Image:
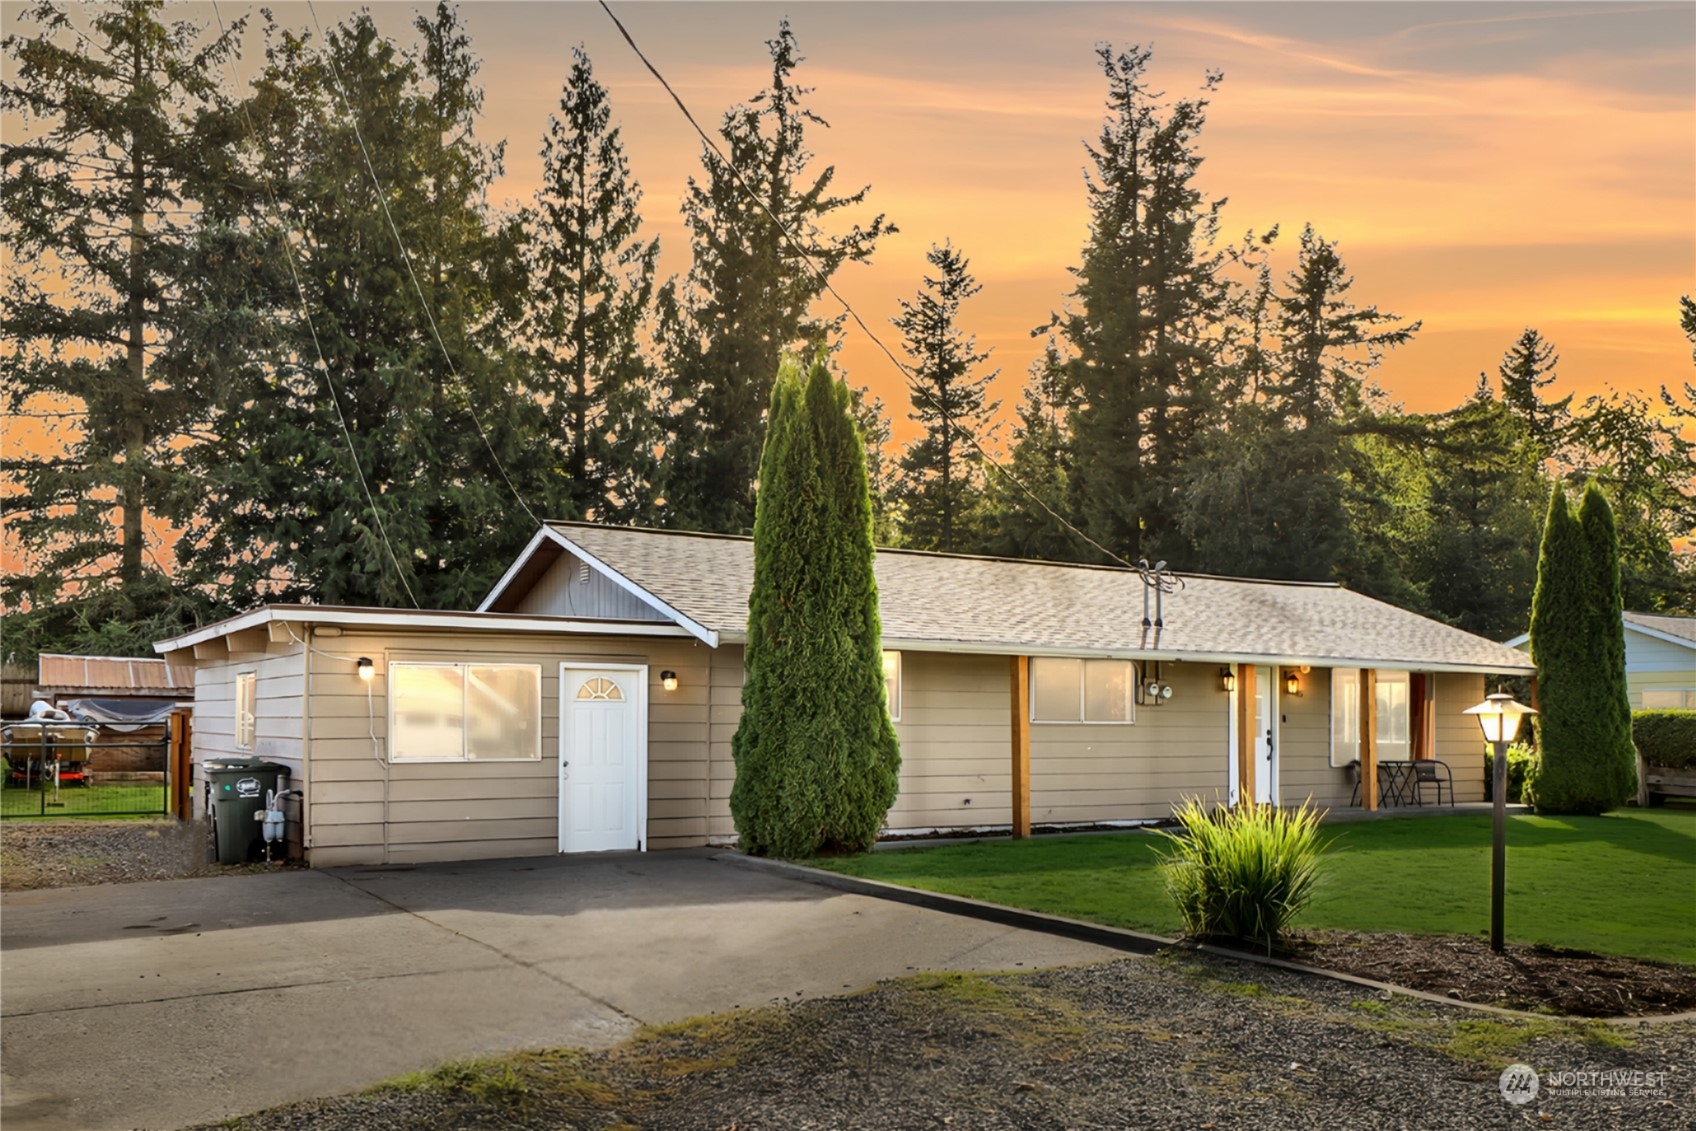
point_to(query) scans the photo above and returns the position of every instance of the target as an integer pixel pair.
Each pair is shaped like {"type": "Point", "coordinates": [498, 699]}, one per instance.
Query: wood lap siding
{"type": "Point", "coordinates": [1459, 741]}
{"type": "Point", "coordinates": [1103, 772]}
{"type": "Point", "coordinates": [466, 810]}
{"type": "Point", "coordinates": [278, 710]}
{"type": "Point", "coordinates": [1304, 734]}
{"type": "Point", "coordinates": [562, 592]}
{"type": "Point", "coordinates": [956, 763]}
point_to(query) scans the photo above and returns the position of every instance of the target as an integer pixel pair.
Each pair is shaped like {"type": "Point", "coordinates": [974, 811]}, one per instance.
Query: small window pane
{"type": "Point", "coordinates": [1107, 690]}
{"type": "Point", "coordinates": [1345, 716]}
{"type": "Point", "coordinates": [892, 683]}
{"type": "Point", "coordinates": [599, 688]}
{"type": "Point", "coordinates": [1054, 689]}
{"type": "Point", "coordinates": [428, 706]}
{"type": "Point", "coordinates": [503, 710]}
{"type": "Point", "coordinates": [247, 705]}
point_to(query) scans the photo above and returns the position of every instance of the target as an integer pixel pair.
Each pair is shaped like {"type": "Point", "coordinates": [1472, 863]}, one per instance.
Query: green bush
{"type": "Point", "coordinates": [1665, 738]}
{"type": "Point", "coordinates": [1522, 767]}
{"type": "Point", "coordinates": [1242, 873]}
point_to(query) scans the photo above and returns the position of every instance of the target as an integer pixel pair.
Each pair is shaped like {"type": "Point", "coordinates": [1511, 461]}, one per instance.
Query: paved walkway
{"type": "Point", "coordinates": [162, 1004]}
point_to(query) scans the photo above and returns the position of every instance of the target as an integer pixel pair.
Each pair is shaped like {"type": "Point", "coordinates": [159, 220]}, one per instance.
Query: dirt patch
{"type": "Point", "coordinates": [58, 854]}
{"type": "Point", "coordinates": [1537, 978]}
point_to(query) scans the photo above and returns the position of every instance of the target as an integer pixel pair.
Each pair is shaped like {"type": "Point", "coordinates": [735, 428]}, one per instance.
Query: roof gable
{"type": "Point", "coordinates": [1674, 630]}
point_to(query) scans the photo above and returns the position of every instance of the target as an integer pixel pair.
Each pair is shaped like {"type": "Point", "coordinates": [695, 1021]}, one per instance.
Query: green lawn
{"type": "Point", "coordinates": [110, 799]}
{"type": "Point", "coordinates": [1624, 883]}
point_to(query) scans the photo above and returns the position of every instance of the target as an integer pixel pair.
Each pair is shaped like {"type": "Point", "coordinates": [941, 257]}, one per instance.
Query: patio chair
{"type": "Point", "coordinates": [1430, 772]}
{"type": "Point", "coordinates": [1353, 769]}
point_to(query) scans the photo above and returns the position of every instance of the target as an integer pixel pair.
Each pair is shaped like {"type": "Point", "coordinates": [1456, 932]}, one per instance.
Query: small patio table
{"type": "Point", "coordinates": [1395, 780]}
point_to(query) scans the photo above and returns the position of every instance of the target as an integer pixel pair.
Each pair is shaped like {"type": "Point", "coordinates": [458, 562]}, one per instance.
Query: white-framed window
{"type": "Point", "coordinates": [892, 684]}
{"type": "Point", "coordinates": [1668, 699]}
{"type": "Point", "coordinates": [1390, 699]}
{"type": "Point", "coordinates": [465, 712]}
{"type": "Point", "coordinates": [1082, 691]}
{"type": "Point", "coordinates": [247, 703]}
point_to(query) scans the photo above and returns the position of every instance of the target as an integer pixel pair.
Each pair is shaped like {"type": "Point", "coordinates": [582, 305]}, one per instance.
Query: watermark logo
{"type": "Point", "coordinates": [1519, 1083]}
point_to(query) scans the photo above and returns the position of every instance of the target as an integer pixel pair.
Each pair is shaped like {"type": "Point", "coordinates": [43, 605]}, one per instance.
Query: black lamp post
{"type": "Point", "coordinates": [1499, 717]}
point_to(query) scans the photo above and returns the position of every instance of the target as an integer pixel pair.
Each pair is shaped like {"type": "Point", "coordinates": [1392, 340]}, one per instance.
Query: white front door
{"type": "Point", "coordinates": [602, 757]}
{"type": "Point", "coordinates": [1265, 735]}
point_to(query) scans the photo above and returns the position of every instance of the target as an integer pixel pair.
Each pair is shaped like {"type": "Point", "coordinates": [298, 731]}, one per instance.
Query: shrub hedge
{"type": "Point", "coordinates": [1665, 738]}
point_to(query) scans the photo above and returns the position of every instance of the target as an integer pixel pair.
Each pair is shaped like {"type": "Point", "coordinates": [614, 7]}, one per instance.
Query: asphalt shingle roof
{"type": "Point", "coordinates": [997, 605]}
{"type": "Point", "coordinates": [1682, 627]}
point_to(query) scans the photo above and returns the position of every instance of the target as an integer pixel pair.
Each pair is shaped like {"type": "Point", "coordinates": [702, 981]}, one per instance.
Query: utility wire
{"type": "Point", "coordinates": [323, 365]}
{"type": "Point", "coordinates": [824, 280]}
{"type": "Point", "coordinates": [406, 256]}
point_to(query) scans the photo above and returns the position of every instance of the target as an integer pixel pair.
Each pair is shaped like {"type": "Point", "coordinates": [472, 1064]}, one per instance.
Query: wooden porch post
{"type": "Point", "coordinates": [180, 766]}
{"type": "Point", "coordinates": [1245, 733]}
{"type": "Point", "coordinates": [1369, 737]}
{"type": "Point", "coordinates": [1021, 720]}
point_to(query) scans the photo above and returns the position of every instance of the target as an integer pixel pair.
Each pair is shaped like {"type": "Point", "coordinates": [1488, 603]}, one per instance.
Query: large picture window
{"type": "Point", "coordinates": [1391, 708]}
{"type": "Point", "coordinates": [1082, 691]}
{"type": "Point", "coordinates": [465, 712]}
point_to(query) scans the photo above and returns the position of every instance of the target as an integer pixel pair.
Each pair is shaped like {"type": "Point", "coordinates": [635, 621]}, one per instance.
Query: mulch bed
{"type": "Point", "coordinates": [1537, 978]}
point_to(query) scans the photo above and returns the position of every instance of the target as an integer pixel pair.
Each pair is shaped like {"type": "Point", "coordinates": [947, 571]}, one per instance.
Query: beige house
{"type": "Point", "coordinates": [589, 703]}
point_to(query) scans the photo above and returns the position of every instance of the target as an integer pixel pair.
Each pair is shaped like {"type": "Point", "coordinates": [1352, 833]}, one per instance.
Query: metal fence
{"type": "Point", "coordinates": [75, 779]}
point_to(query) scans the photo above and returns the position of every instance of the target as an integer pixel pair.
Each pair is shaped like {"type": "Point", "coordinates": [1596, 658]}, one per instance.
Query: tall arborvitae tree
{"type": "Point", "coordinates": [941, 486]}
{"type": "Point", "coordinates": [384, 475]}
{"type": "Point", "coordinates": [592, 284]}
{"type": "Point", "coordinates": [1585, 762]}
{"type": "Point", "coordinates": [100, 180]}
{"type": "Point", "coordinates": [748, 293]}
{"type": "Point", "coordinates": [1526, 370]}
{"type": "Point", "coordinates": [817, 761]}
{"type": "Point", "coordinates": [1146, 299]}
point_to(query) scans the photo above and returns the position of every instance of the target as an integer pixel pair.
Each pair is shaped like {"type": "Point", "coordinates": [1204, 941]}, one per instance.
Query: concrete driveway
{"type": "Point", "coordinates": [161, 1004]}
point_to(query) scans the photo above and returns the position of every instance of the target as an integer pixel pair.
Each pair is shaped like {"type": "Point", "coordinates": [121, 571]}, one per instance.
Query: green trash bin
{"type": "Point", "coordinates": [236, 791]}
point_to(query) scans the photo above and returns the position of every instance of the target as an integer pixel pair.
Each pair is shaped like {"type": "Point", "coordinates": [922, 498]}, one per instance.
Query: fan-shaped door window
{"type": "Point", "coordinates": [600, 688]}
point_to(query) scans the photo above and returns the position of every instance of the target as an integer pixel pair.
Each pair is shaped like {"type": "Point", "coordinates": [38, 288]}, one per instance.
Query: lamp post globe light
{"type": "Point", "coordinates": [1498, 716]}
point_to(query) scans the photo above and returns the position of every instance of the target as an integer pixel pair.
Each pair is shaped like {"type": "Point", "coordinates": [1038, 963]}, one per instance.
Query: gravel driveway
{"type": "Point", "coordinates": [1176, 1041]}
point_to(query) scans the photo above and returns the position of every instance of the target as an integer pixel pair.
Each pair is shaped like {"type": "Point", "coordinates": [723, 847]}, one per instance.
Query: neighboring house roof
{"type": "Point", "coordinates": [951, 602]}
{"type": "Point", "coordinates": [1674, 630]}
{"type": "Point", "coordinates": [112, 675]}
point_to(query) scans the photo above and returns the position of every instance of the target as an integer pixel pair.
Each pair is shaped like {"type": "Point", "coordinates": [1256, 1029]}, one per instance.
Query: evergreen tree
{"type": "Point", "coordinates": [1528, 368]}
{"type": "Point", "coordinates": [941, 486]}
{"type": "Point", "coordinates": [385, 474]}
{"type": "Point", "coordinates": [749, 291]}
{"type": "Point", "coordinates": [102, 169]}
{"type": "Point", "coordinates": [1614, 754]}
{"type": "Point", "coordinates": [592, 283]}
{"type": "Point", "coordinates": [817, 761]}
{"type": "Point", "coordinates": [872, 419]}
{"type": "Point", "coordinates": [1146, 299]}
{"type": "Point", "coordinates": [1578, 724]}
{"type": "Point", "coordinates": [1018, 526]}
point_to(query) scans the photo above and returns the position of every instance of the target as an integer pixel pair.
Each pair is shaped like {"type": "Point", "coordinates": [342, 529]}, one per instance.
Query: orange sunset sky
{"type": "Point", "coordinates": [1486, 167]}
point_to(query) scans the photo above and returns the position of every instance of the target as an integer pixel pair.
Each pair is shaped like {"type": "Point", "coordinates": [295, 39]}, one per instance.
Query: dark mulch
{"type": "Point", "coordinates": [1537, 978]}
{"type": "Point", "coordinates": [1176, 1041]}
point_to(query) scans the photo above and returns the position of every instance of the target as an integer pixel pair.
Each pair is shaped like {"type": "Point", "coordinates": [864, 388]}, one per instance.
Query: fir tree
{"type": "Point", "coordinates": [1146, 299]}
{"type": "Point", "coordinates": [593, 282]}
{"type": "Point", "coordinates": [941, 484]}
{"type": "Point", "coordinates": [760, 259]}
{"type": "Point", "coordinates": [113, 126]}
{"type": "Point", "coordinates": [817, 761]}
{"type": "Point", "coordinates": [1528, 368]}
{"type": "Point", "coordinates": [1017, 525]}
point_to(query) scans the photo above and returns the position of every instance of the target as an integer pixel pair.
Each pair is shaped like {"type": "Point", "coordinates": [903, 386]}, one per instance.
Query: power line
{"type": "Point", "coordinates": [824, 281]}
{"type": "Point", "coordinates": [406, 257]}
{"type": "Point", "coordinates": [306, 314]}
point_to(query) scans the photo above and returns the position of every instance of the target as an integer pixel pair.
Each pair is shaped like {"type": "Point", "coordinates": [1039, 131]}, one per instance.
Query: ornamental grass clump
{"type": "Point", "coordinates": [1243, 873]}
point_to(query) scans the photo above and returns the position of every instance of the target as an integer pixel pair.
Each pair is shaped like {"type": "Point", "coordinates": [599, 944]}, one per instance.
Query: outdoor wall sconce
{"type": "Point", "coordinates": [1292, 682]}
{"type": "Point", "coordinates": [366, 669]}
{"type": "Point", "coordinates": [1227, 680]}
{"type": "Point", "coordinates": [668, 680]}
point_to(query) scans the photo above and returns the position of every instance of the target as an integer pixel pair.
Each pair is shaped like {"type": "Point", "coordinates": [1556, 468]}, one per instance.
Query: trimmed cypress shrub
{"type": "Point", "coordinates": [817, 761]}
{"type": "Point", "coordinates": [1666, 737]}
{"type": "Point", "coordinates": [1585, 764]}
